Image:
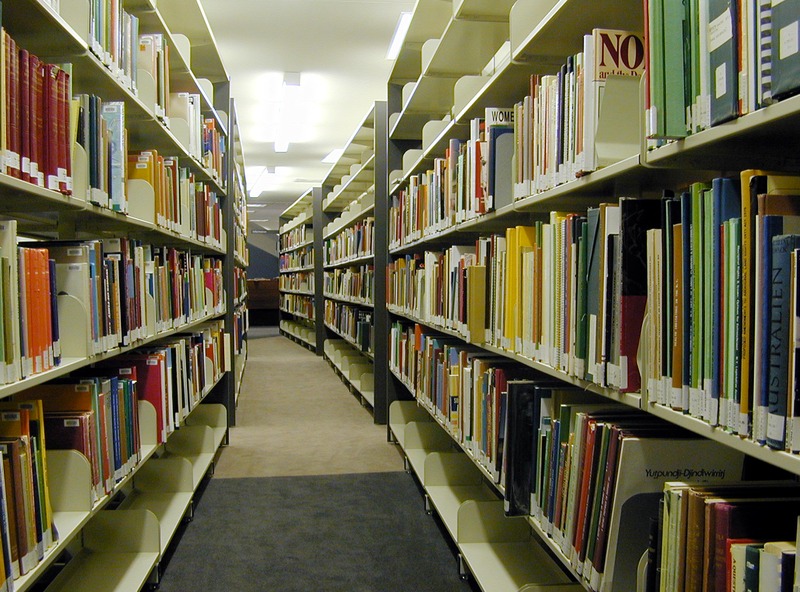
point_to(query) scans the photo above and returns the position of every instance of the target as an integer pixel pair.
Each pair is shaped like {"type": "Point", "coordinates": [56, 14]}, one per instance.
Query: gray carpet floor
{"type": "Point", "coordinates": [357, 533]}
{"type": "Point", "coordinates": [308, 496]}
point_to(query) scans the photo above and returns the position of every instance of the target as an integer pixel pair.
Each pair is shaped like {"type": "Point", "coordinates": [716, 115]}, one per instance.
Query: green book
{"type": "Point", "coordinates": [697, 287]}
{"type": "Point", "coordinates": [710, 234]}
{"type": "Point", "coordinates": [674, 79]}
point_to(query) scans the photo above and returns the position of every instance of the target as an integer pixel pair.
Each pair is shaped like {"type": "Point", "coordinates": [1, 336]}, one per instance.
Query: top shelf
{"type": "Point", "coordinates": [547, 28]}
{"type": "Point", "coordinates": [428, 20]}
{"type": "Point", "coordinates": [188, 18]}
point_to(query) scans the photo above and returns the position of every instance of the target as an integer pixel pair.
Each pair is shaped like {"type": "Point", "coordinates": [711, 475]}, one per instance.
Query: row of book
{"type": "Point", "coordinates": [298, 305]}
{"type": "Point", "coordinates": [80, 298]}
{"type": "Point", "coordinates": [723, 259]}
{"type": "Point", "coordinates": [352, 323]}
{"type": "Point", "coordinates": [709, 62]}
{"type": "Point", "coordinates": [296, 236]}
{"type": "Point", "coordinates": [354, 283]}
{"type": "Point", "coordinates": [46, 120]}
{"type": "Point", "coordinates": [353, 242]}
{"type": "Point", "coordinates": [684, 299]}
{"type": "Point", "coordinates": [114, 39]}
{"type": "Point", "coordinates": [725, 536]}
{"type": "Point", "coordinates": [298, 259]}
{"type": "Point", "coordinates": [556, 125]}
{"type": "Point", "coordinates": [241, 323]}
{"type": "Point", "coordinates": [472, 178]}
{"type": "Point", "coordinates": [239, 283]}
{"type": "Point", "coordinates": [300, 281]}
{"type": "Point", "coordinates": [587, 471]}
{"type": "Point", "coordinates": [94, 411]}
{"type": "Point", "coordinates": [36, 108]}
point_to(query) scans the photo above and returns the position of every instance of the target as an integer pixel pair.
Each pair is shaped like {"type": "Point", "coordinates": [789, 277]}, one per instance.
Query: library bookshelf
{"type": "Point", "coordinates": [124, 226]}
{"type": "Point", "coordinates": [348, 264]}
{"type": "Point", "coordinates": [438, 273]}
{"type": "Point", "coordinates": [299, 273]}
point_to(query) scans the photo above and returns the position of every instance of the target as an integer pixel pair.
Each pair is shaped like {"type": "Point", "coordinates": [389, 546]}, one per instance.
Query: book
{"type": "Point", "coordinates": [637, 216]}
{"type": "Point", "coordinates": [113, 113]}
{"type": "Point", "coordinates": [785, 63]}
{"type": "Point", "coordinates": [499, 133]}
{"type": "Point", "coordinates": [779, 347]}
{"type": "Point", "coordinates": [722, 44]}
{"type": "Point", "coordinates": [613, 53]}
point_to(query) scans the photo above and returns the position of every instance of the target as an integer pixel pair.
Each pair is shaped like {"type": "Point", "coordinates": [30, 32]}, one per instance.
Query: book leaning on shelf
{"type": "Point", "coordinates": [578, 119]}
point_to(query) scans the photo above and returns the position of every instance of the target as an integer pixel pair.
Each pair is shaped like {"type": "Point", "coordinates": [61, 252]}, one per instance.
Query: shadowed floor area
{"type": "Point", "coordinates": [309, 495]}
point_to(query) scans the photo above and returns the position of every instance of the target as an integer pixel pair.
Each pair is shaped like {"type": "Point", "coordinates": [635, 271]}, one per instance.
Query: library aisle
{"type": "Point", "coordinates": [308, 495]}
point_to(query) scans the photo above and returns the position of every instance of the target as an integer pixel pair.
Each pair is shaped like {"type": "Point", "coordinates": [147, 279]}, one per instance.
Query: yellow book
{"type": "Point", "coordinates": [510, 312]}
{"type": "Point", "coordinates": [526, 241]}
{"type": "Point", "coordinates": [476, 303]}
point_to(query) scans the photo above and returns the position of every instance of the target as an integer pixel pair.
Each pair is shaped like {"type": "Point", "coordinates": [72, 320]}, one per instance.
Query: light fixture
{"type": "Point", "coordinates": [258, 178]}
{"type": "Point", "coordinates": [399, 35]}
{"type": "Point", "coordinates": [333, 156]}
{"type": "Point", "coordinates": [291, 94]}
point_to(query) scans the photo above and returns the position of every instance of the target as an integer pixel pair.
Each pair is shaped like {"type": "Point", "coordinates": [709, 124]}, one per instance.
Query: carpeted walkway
{"type": "Point", "coordinates": [366, 532]}
{"type": "Point", "coordinates": [308, 495]}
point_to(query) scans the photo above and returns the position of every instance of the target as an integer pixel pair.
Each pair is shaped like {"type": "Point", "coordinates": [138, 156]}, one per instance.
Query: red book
{"type": "Point", "coordinates": [591, 458]}
{"type": "Point", "coordinates": [51, 116]}
{"type": "Point", "coordinates": [762, 518]}
{"type": "Point", "coordinates": [36, 111]}
{"type": "Point", "coordinates": [13, 108]}
{"type": "Point", "coordinates": [151, 386]}
{"type": "Point", "coordinates": [64, 146]}
{"type": "Point", "coordinates": [25, 121]}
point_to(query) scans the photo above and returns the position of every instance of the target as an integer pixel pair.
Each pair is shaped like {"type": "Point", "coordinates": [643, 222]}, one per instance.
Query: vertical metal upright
{"type": "Point", "coordinates": [225, 390]}
{"type": "Point", "coordinates": [319, 219]}
{"type": "Point", "coordinates": [385, 387]}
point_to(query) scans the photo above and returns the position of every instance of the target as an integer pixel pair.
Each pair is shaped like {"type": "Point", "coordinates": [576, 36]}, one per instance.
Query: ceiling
{"type": "Point", "coordinates": [338, 47]}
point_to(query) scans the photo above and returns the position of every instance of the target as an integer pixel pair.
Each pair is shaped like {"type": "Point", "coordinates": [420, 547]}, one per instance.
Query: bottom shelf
{"type": "Point", "coordinates": [355, 369]}
{"type": "Point", "coordinates": [121, 549]}
{"type": "Point", "coordinates": [501, 553]}
{"type": "Point", "coordinates": [300, 332]}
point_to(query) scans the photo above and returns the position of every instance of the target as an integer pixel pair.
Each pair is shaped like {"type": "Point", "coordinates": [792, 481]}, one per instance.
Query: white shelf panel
{"type": "Point", "coordinates": [551, 28]}
{"type": "Point", "coordinates": [446, 499]}
{"type": "Point", "coordinates": [428, 21]}
{"type": "Point", "coordinates": [482, 9]}
{"type": "Point", "coordinates": [506, 567]}
{"type": "Point", "coordinates": [106, 572]}
{"type": "Point", "coordinates": [355, 186]}
{"type": "Point", "coordinates": [168, 507]}
{"type": "Point", "coordinates": [466, 46]}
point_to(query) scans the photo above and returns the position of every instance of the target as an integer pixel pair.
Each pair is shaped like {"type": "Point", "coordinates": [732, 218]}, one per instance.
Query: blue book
{"type": "Point", "coordinates": [771, 226]}
{"type": "Point", "coordinates": [727, 204]}
{"type": "Point", "coordinates": [779, 348]}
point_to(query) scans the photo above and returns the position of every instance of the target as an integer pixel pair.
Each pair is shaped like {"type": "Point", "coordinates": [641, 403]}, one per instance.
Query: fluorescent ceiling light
{"type": "Point", "coordinates": [281, 145]}
{"type": "Point", "coordinates": [334, 156]}
{"type": "Point", "coordinates": [399, 35]}
{"type": "Point", "coordinates": [260, 180]}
